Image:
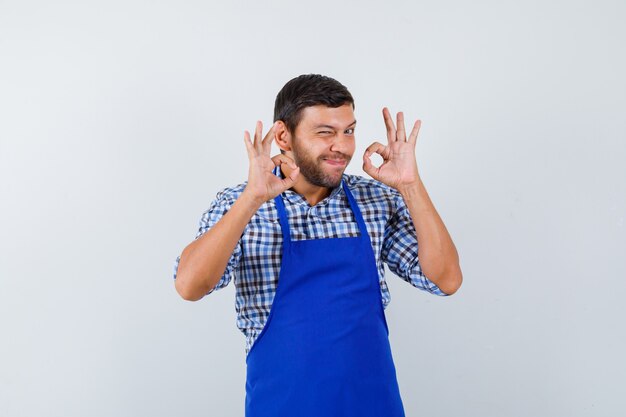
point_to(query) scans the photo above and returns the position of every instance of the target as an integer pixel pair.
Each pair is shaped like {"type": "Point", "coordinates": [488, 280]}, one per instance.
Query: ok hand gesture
{"type": "Point", "coordinates": [399, 167]}
{"type": "Point", "coordinates": [263, 185]}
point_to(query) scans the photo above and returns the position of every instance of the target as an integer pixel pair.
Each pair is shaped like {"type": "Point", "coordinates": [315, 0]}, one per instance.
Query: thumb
{"type": "Point", "coordinates": [368, 167]}
{"type": "Point", "coordinates": [290, 181]}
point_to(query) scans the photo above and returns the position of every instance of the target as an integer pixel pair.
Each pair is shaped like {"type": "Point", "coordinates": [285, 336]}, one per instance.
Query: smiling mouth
{"type": "Point", "coordinates": [336, 162]}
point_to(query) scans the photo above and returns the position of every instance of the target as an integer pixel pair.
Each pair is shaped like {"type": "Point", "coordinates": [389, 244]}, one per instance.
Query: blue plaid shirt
{"type": "Point", "coordinates": [255, 262]}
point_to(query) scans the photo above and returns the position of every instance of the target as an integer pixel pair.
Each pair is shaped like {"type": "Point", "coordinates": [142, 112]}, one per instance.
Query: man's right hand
{"type": "Point", "coordinates": [263, 185]}
{"type": "Point", "coordinates": [204, 260]}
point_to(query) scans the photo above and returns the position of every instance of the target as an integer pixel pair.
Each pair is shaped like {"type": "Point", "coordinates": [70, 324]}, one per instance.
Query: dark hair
{"type": "Point", "coordinates": [308, 90]}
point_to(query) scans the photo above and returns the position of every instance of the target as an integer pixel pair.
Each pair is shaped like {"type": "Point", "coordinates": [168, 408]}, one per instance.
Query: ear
{"type": "Point", "coordinates": [282, 136]}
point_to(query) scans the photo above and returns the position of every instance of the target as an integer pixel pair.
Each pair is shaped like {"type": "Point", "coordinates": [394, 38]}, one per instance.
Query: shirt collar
{"type": "Point", "coordinates": [294, 197]}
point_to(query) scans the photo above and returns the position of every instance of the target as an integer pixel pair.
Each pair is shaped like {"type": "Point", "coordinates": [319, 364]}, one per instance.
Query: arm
{"type": "Point", "coordinates": [202, 262]}
{"type": "Point", "coordinates": [438, 256]}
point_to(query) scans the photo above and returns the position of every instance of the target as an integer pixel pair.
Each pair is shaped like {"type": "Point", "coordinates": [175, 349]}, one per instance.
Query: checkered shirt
{"type": "Point", "coordinates": [255, 262]}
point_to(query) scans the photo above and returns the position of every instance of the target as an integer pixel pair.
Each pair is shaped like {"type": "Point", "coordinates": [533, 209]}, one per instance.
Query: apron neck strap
{"type": "Point", "coordinates": [284, 223]}
{"type": "Point", "coordinates": [282, 215]}
{"type": "Point", "coordinates": [355, 210]}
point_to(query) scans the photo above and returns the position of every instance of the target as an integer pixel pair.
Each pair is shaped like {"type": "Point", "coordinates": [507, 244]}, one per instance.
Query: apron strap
{"type": "Point", "coordinates": [356, 211]}
{"type": "Point", "coordinates": [284, 222]}
{"type": "Point", "coordinates": [282, 212]}
{"type": "Point", "coordinates": [282, 215]}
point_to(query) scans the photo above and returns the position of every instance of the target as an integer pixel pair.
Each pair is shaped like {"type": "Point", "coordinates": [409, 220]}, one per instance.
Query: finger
{"type": "Point", "coordinates": [369, 167]}
{"type": "Point", "coordinates": [267, 140]}
{"type": "Point", "coordinates": [257, 135]}
{"type": "Point", "coordinates": [248, 142]}
{"type": "Point", "coordinates": [391, 129]}
{"type": "Point", "coordinates": [415, 131]}
{"type": "Point", "coordinates": [284, 159]}
{"type": "Point", "coordinates": [401, 133]}
{"type": "Point", "coordinates": [290, 180]}
{"type": "Point", "coordinates": [378, 148]}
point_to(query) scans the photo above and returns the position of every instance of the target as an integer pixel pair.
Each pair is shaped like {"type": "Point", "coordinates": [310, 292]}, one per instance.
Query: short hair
{"type": "Point", "coordinates": [308, 90]}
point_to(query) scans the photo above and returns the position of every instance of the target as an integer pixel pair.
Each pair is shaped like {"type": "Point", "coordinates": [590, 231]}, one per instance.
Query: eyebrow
{"type": "Point", "coordinates": [333, 127]}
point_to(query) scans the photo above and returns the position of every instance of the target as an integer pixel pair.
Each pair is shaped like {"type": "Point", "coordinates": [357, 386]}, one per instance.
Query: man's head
{"type": "Point", "coordinates": [306, 91]}
{"type": "Point", "coordinates": [315, 115]}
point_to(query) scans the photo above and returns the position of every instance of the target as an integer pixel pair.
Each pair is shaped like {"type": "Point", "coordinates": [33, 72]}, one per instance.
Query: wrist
{"type": "Point", "coordinates": [411, 189]}
{"type": "Point", "coordinates": [249, 199]}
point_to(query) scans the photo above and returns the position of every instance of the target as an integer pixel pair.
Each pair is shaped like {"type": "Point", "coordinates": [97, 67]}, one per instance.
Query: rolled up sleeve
{"type": "Point", "coordinates": [218, 207]}
{"type": "Point", "coordinates": [400, 246]}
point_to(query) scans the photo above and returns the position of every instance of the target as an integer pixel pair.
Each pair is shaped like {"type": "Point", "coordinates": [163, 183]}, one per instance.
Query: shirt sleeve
{"type": "Point", "coordinates": [220, 206]}
{"type": "Point", "coordinates": [400, 249]}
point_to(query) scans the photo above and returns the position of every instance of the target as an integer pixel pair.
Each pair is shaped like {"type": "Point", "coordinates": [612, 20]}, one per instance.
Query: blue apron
{"type": "Point", "coordinates": [324, 350]}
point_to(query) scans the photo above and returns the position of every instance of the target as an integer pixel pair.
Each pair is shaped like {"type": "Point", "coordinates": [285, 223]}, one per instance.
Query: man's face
{"type": "Point", "coordinates": [323, 143]}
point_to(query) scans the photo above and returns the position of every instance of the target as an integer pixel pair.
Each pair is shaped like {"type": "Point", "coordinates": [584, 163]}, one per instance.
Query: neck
{"type": "Point", "coordinates": [313, 194]}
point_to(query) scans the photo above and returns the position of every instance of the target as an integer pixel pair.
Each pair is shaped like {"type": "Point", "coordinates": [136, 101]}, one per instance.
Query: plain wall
{"type": "Point", "coordinates": [120, 120]}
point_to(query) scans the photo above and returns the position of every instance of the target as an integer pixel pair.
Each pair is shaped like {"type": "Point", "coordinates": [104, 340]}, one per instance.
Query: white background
{"type": "Point", "coordinates": [120, 120]}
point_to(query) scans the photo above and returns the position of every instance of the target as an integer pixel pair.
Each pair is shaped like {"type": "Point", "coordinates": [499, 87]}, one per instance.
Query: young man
{"type": "Point", "coordinates": [307, 244]}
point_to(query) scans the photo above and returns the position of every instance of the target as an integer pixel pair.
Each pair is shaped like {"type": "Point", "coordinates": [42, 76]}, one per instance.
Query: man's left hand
{"type": "Point", "coordinates": [399, 167]}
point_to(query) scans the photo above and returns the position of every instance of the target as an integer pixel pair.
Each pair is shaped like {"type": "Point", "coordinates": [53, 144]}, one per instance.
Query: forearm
{"type": "Point", "coordinates": [203, 262]}
{"type": "Point", "coordinates": [437, 254]}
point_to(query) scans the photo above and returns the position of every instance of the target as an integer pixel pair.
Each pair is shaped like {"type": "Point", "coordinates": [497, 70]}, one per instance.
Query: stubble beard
{"type": "Point", "coordinates": [312, 169]}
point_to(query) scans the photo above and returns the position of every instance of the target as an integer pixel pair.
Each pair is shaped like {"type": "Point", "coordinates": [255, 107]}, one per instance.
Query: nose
{"type": "Point", "coordinates": [343, 143]}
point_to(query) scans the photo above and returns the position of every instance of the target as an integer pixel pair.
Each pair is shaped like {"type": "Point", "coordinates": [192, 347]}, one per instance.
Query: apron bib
{"type": "Point", "coordinates": [324, 350]}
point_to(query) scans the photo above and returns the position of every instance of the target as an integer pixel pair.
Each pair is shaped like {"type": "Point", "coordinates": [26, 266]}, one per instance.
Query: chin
{"type": "Point", "coordinates": [325, 181]}
{"type": "Point", "coordinates": [333, 182]}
